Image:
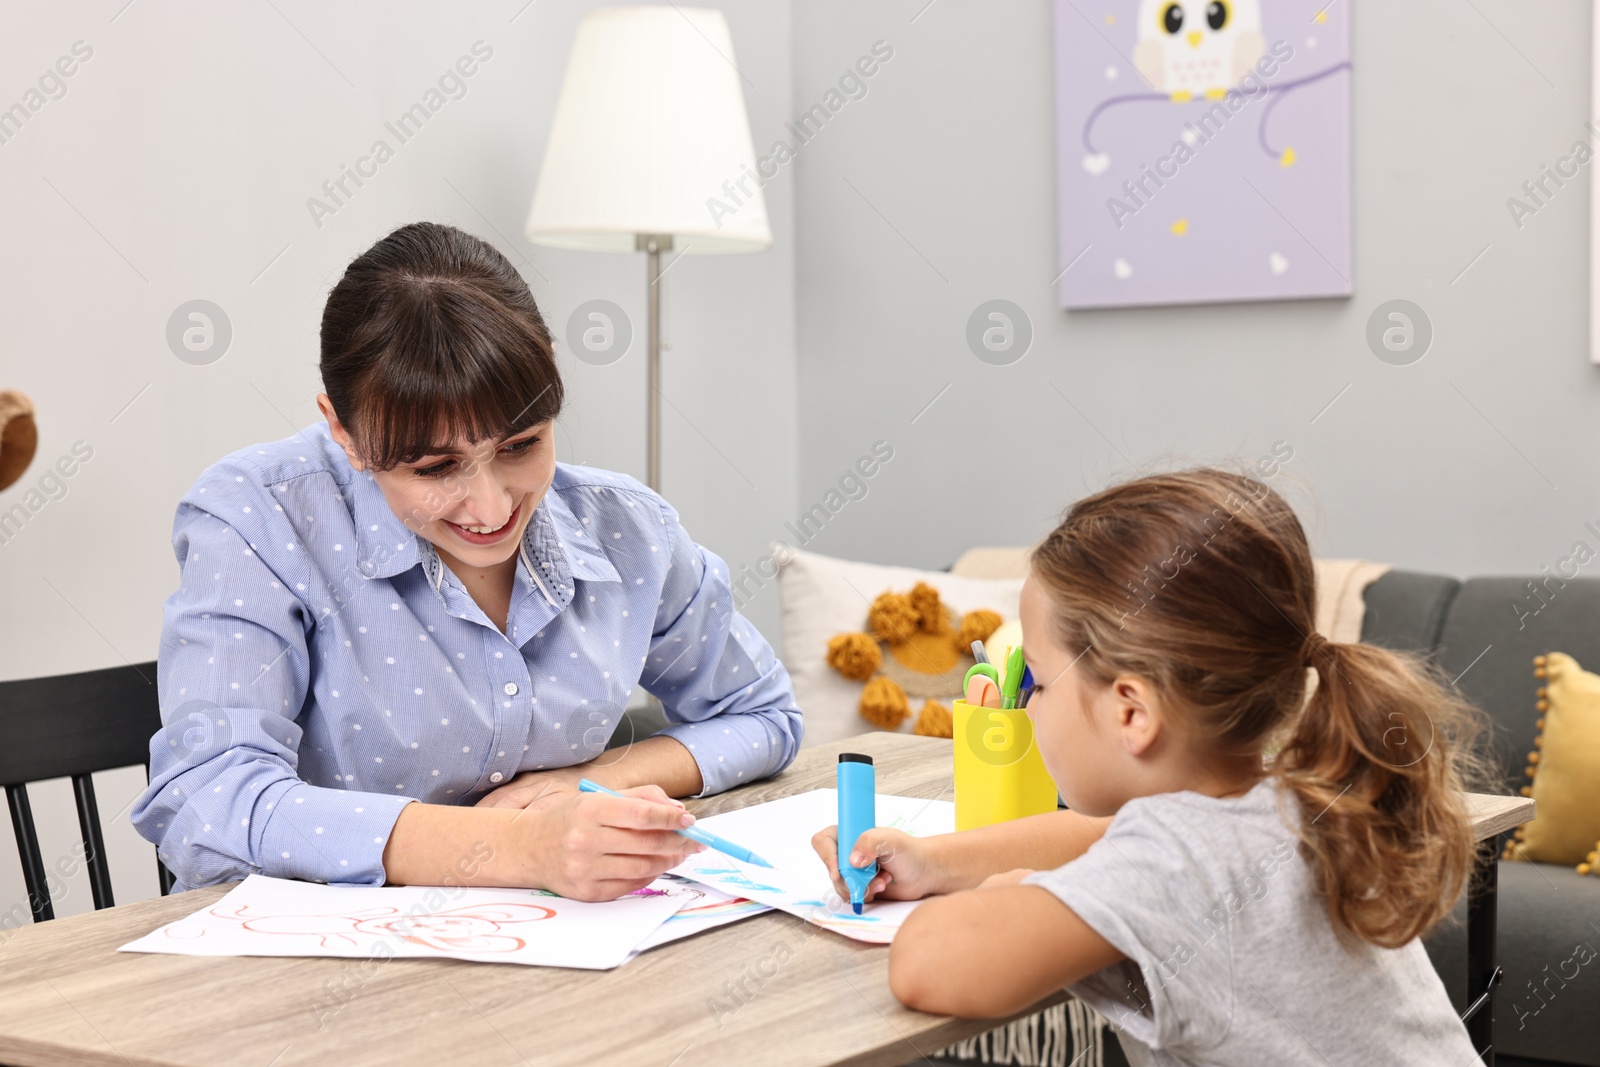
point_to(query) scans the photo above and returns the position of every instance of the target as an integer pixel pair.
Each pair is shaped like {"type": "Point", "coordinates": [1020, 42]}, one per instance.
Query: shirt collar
{"type": "Point", "coordinates": [385, 546]}
{"type": "Point", "coordinates": [556, 535]}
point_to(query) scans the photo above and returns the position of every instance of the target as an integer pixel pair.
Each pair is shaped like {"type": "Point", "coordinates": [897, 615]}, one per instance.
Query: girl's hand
{"type": "Point", "coordinates": [1012, 877]}
{"type": "Point", "coordinates": [906, 866]}
{"type": "Point", "coordinates": [592, 846]}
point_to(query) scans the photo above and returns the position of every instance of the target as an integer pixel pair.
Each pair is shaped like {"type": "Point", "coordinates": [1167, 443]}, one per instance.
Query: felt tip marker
{"type": "Point", "coordinates": [693, 833]}
{"type": "Point", "coordinates": [858, 813]}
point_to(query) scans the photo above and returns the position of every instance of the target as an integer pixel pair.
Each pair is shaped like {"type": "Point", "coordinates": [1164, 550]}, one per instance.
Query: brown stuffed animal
{"type": "Point", "coordinates": [912, 646]}
{"type": "Point", "coordinates": [19, 436]}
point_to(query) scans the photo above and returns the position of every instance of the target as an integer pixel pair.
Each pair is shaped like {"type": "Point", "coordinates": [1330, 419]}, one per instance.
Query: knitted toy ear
{"type": "Point", "coordinates": [934, 720]}
{"type": "Point", "coordinates": [854, 655]}
{"type": "Point", "coordinates": [931, 615]}
{"type": "Point", "coordinates": [892, 618]}
{"type": "Point", "coordinates": [19, 436]}
{"type": "Point", "coordinates": [884, 704]}
{"type": "Point", "coordinates": [977, 625]}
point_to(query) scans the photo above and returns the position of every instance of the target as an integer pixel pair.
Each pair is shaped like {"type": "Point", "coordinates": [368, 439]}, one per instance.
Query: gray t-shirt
{"type": "Point", "coordinates": [1232, 958]}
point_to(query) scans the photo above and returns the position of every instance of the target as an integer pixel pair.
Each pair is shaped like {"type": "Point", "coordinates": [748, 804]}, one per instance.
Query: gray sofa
{"type": "Point", "coordinates": [1485, 631]}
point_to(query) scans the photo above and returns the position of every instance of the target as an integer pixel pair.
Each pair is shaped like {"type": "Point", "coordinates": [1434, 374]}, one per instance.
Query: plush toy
{"type": "Point", "coordinates": [19, 436]}
{"type": "Point", "coordinates": [913, 646]}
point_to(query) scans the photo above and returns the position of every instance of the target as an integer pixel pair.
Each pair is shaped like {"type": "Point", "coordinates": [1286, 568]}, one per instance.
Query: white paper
{"type": "Point", "coordinates": [780, 832]}
{"type": "Point", "coordinates": [265, 916]}
{"type": "Point", "coordinates": [709, 908]}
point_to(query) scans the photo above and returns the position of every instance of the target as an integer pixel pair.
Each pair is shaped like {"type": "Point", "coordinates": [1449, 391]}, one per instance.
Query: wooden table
{"type": "Point", "coordinates": [1491, 817]}
{"type": "Point", "coordinates": [68, 997]}
{"type": "Point", "coordinates": [771, 989]}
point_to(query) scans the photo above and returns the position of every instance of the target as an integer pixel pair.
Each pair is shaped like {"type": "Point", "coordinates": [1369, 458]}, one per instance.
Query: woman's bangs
{"type": "Point", "coordinates": [429, 397]}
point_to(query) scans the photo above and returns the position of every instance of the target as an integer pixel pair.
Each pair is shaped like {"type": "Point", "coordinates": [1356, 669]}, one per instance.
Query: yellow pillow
{"type": "Point", "coordinates": [1565, 769]}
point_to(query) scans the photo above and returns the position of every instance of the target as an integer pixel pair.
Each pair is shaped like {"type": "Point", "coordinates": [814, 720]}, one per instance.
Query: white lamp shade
{"type": "Point", "coordinates": [649, 129]}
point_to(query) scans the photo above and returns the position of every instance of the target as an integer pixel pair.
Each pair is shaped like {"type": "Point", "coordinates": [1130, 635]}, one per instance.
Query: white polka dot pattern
{"type": "Point", "coordinates": [352, 673]}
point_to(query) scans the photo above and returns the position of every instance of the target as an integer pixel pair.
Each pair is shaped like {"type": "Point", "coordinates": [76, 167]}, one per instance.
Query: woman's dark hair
{"type": "Point", "coordinates": [1202, 582]}
{"type": "Point", "coordinates": [430, 336]}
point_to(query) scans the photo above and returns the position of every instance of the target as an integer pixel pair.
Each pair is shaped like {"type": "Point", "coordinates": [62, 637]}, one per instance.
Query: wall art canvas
{"type": "Point", "coordinates": [1203, 151]}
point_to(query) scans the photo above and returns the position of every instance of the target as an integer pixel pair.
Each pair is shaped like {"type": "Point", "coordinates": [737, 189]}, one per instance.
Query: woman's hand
{"type": "Point", "coordinates": [593, 846]}
{"type": "Point", "coordinates": [1011, 877]}
{"type": "Point", "coordinates": [907, 869]}
{"type": "Point", "coordinates": [536, 789]}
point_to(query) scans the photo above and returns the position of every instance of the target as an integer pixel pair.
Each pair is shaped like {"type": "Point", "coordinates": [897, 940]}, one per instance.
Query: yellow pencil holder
{"type": "Point", "coordinates": [999, 770]}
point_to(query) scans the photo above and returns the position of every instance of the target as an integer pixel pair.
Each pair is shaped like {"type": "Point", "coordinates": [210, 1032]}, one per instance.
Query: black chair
{"type": "Point", "coordinates": [72, 725]}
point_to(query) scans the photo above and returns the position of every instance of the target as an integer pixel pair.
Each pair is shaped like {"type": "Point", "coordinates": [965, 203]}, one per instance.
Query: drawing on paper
{"type": "Point", "coordinates": [798, 881]}
{"type": "Point", "coordinates": [265, 916]}
{"type": "Point", "coordinates": [473, 928]}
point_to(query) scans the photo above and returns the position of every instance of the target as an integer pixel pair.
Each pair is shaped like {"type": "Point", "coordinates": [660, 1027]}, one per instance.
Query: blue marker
{"type": "Point", "coordinates": [858, 813]}
{"type": "Point", "coordinates": [693, 833]}
{"type": "Point", "coordinates": [1026, 692]}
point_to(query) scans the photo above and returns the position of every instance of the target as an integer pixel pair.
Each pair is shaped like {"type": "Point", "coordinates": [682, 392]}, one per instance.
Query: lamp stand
{"type": "Point", "coordinates": [653, 244]}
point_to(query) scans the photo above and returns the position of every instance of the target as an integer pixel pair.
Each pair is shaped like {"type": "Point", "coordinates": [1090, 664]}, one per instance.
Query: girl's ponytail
{"type": "Point", "coordinates": [1376, 760]}
{"type": "Point", "coordinates": [1202, 582]}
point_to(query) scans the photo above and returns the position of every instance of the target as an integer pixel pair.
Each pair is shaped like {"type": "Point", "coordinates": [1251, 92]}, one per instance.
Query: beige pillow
{"type": "Point", "coordinates": [822, 596]}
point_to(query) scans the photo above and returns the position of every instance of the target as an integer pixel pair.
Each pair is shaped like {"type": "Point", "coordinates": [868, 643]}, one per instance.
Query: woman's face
{"type": "Point", "coordinates": [471, 501]}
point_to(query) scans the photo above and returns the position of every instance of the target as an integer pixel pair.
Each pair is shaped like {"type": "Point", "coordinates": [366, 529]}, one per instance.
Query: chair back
{"type": "Point", "coordinates": [69, 726]}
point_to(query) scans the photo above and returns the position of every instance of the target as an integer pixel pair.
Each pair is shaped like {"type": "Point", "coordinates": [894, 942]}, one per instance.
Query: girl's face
{"type": "Point", "coordinates": [471, 501]}
{"type": "Point", "coordinates": [1078, 725]}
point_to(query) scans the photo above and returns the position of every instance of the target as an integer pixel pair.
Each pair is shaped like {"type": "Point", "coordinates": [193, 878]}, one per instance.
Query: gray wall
{"type": "Point", "coordinates": [947, 168]}
{"type": "Point", "coordinates": [177, 166]}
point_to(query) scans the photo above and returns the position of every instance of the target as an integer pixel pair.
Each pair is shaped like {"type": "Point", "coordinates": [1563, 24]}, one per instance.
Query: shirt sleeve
{"type": "Point", "coordinates": [1141, 887]}
{"type": "Point", "coordinates": [726, 696]}
{"type": "Point", "coordinates": [224, 799]}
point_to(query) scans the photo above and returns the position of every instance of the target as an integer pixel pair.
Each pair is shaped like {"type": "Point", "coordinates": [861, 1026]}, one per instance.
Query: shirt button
{"type": "Point", "coordinates": [511, 689]}
{"type": "Point", "coordinates": [496, 776]}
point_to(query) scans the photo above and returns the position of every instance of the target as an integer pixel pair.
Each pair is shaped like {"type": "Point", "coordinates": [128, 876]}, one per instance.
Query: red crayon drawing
{"type": "Point", "coordinates": [471, 928]}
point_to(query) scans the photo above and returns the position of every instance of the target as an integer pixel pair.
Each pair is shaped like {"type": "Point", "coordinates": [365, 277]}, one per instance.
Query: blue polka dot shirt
{"type": "Point", "coordinates": [320, 667]}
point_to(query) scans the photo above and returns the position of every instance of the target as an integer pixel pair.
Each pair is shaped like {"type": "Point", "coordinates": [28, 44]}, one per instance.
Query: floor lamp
{"type": "Point", "coordinates": [650, 151]}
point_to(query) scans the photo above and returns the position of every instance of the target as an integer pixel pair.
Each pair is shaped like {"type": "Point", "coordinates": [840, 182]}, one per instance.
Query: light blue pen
{"type": "Point", "coordinates": [693, 833]}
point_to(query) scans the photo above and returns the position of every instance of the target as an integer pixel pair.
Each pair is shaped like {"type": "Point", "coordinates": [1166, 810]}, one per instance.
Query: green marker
{"type": "Point", "coordinates": [1013, 682]}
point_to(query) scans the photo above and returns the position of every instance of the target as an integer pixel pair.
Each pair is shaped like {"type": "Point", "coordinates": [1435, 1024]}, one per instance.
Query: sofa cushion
{"type": "Point", "coordinates": [1565, 767]}
{"type": "Point", "coordinates": [1549, 948]}
{"type": "Point", "coordinates": [1406, 610]}
{"type": "Point", "coordinates": [1494, 629]}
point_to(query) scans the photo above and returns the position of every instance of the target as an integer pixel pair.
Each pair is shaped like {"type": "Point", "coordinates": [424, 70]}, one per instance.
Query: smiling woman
{"type": "Point", "coordinates": [408, 631]}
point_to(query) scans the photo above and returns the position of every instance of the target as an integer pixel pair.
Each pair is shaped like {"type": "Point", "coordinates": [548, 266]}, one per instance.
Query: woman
{"type": "Point", "coordinates": [403, 636]}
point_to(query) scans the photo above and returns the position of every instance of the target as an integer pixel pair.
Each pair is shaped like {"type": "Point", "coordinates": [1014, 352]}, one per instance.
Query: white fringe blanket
{"type": "Point", "coordinates": [1071, 1033]}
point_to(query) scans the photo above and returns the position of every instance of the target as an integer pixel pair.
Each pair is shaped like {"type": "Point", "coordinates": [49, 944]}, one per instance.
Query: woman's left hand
{"type": "Point", "coordinates": [1011, 877]}
{"type": "Point", "coordinates": [533, 789]}
{"type": "Point", "coordinates": [540, 789]}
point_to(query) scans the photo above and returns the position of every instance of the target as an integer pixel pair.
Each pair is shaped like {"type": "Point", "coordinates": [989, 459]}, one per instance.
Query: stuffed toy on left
{"type": "Point", "coordinates": [19, 437]}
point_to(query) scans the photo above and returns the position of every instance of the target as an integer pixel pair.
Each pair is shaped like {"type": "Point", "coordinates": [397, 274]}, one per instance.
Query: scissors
{"type": "Point", "coordinates": [981, 686]}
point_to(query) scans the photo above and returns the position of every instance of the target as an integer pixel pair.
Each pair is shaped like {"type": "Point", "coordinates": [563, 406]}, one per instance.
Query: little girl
{"type": "Point", "coordinates": [1238, 881]}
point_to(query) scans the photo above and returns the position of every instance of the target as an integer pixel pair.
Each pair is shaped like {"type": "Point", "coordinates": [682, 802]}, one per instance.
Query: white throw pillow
{"type": "Point", "coordinates": [822, 596]}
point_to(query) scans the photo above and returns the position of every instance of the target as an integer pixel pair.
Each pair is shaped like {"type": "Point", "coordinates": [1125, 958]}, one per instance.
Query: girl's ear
{"type": "Point", "coordinates": [1137, 720]}
{"type": "Point", "coordinates": [341, 436]}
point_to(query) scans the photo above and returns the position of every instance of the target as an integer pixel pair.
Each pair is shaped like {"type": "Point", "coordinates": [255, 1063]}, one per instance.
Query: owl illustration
{"type": "Point", "coordinates": [1190, 48]}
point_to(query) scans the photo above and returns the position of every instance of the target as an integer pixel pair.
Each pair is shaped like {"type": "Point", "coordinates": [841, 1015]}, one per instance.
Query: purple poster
{"type": "Point", "coordinates": [1202, 150]}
